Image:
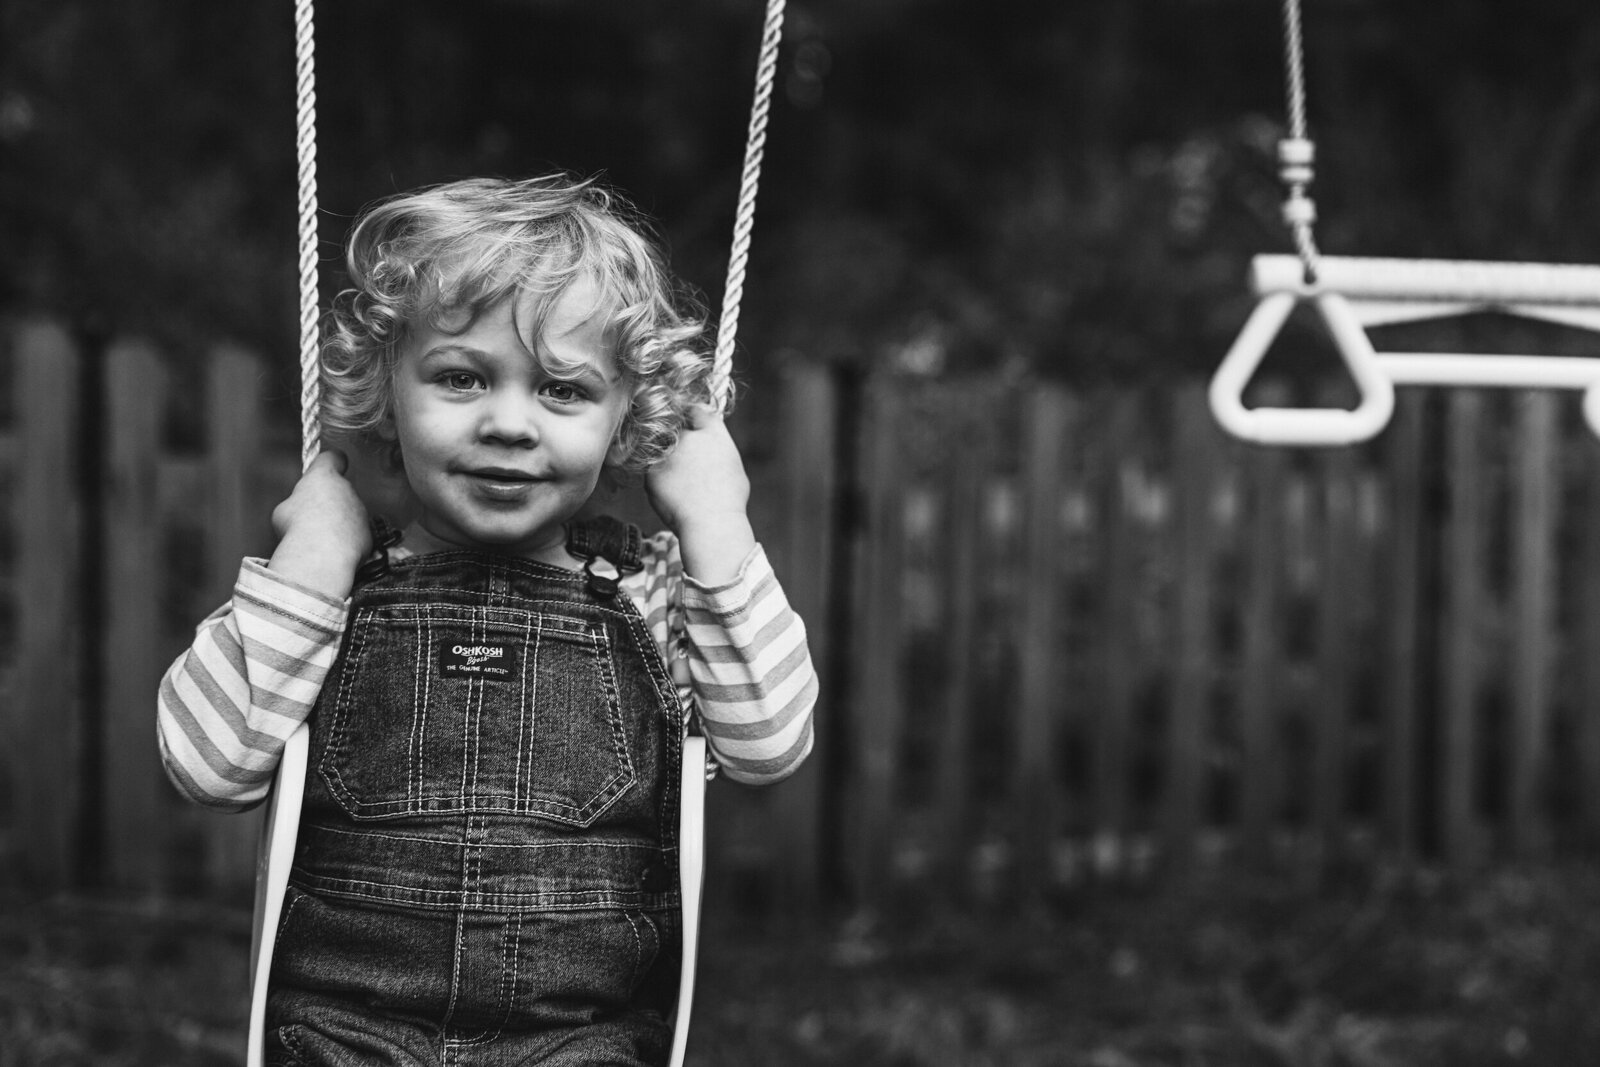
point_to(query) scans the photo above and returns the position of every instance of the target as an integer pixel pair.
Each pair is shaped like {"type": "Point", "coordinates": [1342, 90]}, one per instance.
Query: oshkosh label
{"type": "Point", "coordinates": [459, 659]}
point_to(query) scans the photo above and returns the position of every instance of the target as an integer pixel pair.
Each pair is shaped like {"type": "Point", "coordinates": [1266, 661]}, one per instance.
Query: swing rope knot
{"type": "Point", "coordinates": [1299, 210]}
{"type": "Point", "coordinates": [1296, 156]}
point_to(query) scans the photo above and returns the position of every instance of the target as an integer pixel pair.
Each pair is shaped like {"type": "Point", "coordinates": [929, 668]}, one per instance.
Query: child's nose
{"type": "Point", "coordinates": [509, 419]}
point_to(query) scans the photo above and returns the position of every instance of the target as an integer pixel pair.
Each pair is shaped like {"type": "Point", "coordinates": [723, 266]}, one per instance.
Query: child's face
{"type": "Point", "coordinates": [499, 451]}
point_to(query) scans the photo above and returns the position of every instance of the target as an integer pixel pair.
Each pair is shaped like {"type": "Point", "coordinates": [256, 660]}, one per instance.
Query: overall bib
{"type": "Point", "coordinates": [486, 871]}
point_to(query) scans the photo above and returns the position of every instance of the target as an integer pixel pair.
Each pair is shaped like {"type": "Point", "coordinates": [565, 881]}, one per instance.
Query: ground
{"type": "Point", "coordinates": [1392, 969]}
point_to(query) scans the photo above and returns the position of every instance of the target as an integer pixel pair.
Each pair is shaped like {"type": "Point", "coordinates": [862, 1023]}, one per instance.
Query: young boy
{"type": "Point", "coordinates": [485, 869]}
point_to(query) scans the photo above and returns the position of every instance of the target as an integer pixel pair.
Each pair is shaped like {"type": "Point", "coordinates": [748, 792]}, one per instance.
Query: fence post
{"type": "Point", "coordinates": [1535, 511]}
{"type": "Point", "coordinates": [135, 834]}
{"type": "Point", "coordinates": [44, 728]}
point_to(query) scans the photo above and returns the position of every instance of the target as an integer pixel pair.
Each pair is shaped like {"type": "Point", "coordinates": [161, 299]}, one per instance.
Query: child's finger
{"type": "Point", "coordinates": [330, 459]}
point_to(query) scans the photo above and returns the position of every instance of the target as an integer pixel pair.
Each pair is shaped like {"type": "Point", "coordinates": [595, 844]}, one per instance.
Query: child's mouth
{"type": "Point", "coordinates": [499, 483]}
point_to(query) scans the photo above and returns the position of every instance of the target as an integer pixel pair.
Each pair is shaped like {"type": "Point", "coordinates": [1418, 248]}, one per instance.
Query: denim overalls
{"type": "Point", "coordinates": [486, 872]}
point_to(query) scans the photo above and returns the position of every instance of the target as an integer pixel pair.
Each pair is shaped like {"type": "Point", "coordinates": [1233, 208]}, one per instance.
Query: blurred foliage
{"type": "Point", "coordinates": [1074, 187]}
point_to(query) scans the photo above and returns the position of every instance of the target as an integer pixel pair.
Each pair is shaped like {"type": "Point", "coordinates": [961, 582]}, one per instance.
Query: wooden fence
{"type": "Point", "coordinates": [1092, 636]}
{"type": "Point", "coordinates": [129, 499]}
{"type": "Point", "coordinates": [1062, 635]}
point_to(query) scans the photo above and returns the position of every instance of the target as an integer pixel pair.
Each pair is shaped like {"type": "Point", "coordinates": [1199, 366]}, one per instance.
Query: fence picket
{"type": "Point", "coordinates": [234, 524]}
{"type": "Point", "coordinates": [1581, 663]}
{"type": "Point", "coordinates": [1467, 519]}
{"type": "Point", "coordinates": [1330, 707]}
{"type": "Point", "coordinates": [1122, 543]}
{"type": "Point", "coordinates": [42, 770]}
{"type": "Point", "coordinates": [1402, 559]}
{"type": "Point", "coordinates": [1035, 798]}
{"type": "Point", "coordinates": [1196, 443]}
{"type": "Point", "coordinates": [1262, 655]}
{"type": "Point", "coordinates": [810, 437]}
{"type": "Point", "coordinates": [963, 538]}
{"type": "Point", "coordinates": [876, 709]}
{"type": "Point", "coordinates": [137, 837]}
{"type": "Point", "coordinates": [1534, 504]}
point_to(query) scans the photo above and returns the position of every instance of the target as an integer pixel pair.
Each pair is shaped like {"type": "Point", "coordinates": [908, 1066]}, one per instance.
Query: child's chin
{"type": "Point", "coordinates": [512, 542]}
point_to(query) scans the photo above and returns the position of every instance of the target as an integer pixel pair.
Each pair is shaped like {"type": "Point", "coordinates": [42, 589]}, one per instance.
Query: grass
{"type": "Point", "coordinates": [117, 983]}
{"type": "Point", "coordinates": [1391, 969]}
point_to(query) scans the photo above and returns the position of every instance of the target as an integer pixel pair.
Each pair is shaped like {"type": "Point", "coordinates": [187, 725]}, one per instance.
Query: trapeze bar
{"type": "Point", "coordinates": [1376, 311]}
{"type": "Point", "coordinates": [1441, 281]}
{"type": "Point", "coordinates": [1509, 372]}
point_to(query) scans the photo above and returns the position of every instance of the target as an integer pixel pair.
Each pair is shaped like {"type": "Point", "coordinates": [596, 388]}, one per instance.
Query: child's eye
{"type": "Point", "coordinates": [564, 392]}
{"type": "Point", "coordinates": [459, 380]}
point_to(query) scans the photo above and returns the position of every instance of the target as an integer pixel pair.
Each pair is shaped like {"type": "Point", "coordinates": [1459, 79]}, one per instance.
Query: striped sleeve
{"type": "Point", "coordinates": [228, 704]}
{"type": "Point", "coordinates": [748, 662]}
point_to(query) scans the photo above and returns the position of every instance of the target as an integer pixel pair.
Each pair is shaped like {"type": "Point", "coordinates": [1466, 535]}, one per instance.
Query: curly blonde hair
{"type": "Point", "coordinates": [443, 255]}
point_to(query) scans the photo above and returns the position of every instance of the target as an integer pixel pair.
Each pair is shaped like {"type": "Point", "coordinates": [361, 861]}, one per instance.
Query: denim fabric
{"type": "Point", "coordinates": [486, 872]}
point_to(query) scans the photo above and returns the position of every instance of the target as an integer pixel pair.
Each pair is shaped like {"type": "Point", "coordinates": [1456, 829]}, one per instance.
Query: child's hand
{"type": "Point", "coordinates": [700, 490]}
{"type": "Point", "coordinates": [322, 529]}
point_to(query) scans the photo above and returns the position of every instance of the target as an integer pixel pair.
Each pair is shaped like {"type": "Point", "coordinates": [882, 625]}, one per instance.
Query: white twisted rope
{"type": "Point", "coordinates": [306, 152]}
{"type": "Point", "coordinates": [1297, 153]}
{"type": "Point", "coordinates": [1294, 66]}
{"type": "Point", "coordinates": [744, 219]}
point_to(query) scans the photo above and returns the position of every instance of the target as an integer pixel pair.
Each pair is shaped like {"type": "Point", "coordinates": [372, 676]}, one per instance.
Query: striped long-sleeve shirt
{"type": "Point", "coordinates": [228, 704]}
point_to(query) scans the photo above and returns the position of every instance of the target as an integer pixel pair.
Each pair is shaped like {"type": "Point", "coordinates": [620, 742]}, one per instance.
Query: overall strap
{"type": "Point", "coordinates": [376, 565]}
{"type": "Point", "coordinates": [609, 549]}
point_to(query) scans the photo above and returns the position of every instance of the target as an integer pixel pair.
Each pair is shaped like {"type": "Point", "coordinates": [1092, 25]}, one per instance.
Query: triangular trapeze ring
{"type": "Point", "coordinates": [1301, 426]}
{"type": "Point", "coordinates": [1355, 293]}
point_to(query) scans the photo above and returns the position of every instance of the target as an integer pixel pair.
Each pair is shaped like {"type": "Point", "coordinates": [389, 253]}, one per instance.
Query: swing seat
{"type": "Point", "coordinates": [1354, 293]}
{"type": "Point", "coordinates": [276, 855]}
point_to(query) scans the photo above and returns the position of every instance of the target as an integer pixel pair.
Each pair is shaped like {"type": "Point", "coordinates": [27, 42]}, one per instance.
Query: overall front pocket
{"type": "Point", "coordinates": [446, 709]}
